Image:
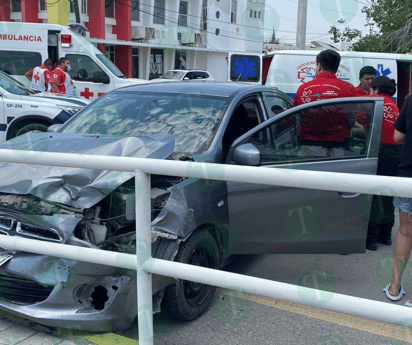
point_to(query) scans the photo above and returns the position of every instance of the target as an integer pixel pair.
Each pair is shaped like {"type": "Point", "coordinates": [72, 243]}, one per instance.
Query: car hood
{"type": "Point", "coordinates": [79, 188]}
{"type": "Point", "coordinates": [58, 99]}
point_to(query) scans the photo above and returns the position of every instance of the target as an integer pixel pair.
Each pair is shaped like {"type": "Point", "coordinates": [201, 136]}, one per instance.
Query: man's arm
{"type": "Point", "coordinates": [29, 74]}
{"type": "Point", "coordinates": [398, 137]}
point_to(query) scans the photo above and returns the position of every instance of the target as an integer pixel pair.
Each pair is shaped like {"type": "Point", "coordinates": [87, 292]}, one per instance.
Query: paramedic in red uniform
{"type": "Point", "coordinates": [382, 216]}
{"type": "Point", "coordinates": [39, 76]}
{"type": "Point", "coordinates": [366, 75]}
{"type": "Point", "coordinates": [60, 79]}
{"type": "Point", "coordinates": [324, 133]}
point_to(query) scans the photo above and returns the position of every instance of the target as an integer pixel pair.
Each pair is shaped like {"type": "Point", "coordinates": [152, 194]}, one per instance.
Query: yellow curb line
{"type": "Point", "coordinates": [109, 339]}
{"type": "Point", "coordinates": [355, 322]}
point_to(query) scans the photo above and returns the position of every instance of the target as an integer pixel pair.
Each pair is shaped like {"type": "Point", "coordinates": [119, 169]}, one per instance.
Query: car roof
{"type": "Point", "coordinates": [210, 89]}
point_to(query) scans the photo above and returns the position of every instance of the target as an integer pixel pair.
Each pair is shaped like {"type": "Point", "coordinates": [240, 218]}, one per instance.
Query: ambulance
{"type": "Point", "coordinates": [24, 46]}
{"type": "Point", "coordinates": [288, 69]}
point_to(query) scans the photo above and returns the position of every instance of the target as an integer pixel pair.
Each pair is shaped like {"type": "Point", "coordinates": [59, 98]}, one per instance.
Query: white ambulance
{"type": "Point", "coordinates": [24, 46]}
{"type": "Point", "coordinates": [288, 69]}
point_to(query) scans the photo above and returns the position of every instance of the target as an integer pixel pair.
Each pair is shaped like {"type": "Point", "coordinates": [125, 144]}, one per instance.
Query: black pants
{"type": "Point", "coordinates": [382, 215]}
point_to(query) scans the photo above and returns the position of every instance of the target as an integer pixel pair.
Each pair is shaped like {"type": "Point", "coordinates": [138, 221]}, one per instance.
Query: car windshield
{"type": "Point", "coordinates": [173, 75]}
{"type": "Point", "coordinates": [110, 65]}
{"type": "Point", "coordinates": [13, 86]}
{"type": "Point", "coordinates": [191, 119]}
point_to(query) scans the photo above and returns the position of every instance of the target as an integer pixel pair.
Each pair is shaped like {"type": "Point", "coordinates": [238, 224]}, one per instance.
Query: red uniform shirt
{"type": "Point", "coordinates": [360, 91]}
{"type": "Point", "coordinates": [390, 114]}
{"type": "Point", "coordinates": [62, 80]}
{"type": "Point", "coordinates": [324, 126]}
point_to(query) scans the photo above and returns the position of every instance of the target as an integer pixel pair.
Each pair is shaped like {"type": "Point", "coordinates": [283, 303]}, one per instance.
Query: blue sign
{"type": "Point", "coordinates": [244, 68]}
{"type": "Point", "coordinates": [381, 72]}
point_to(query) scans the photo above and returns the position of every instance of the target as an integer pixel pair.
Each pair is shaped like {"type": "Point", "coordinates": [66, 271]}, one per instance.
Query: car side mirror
{"type": "Point", "coordinates": [247, 154]}
{"type": "Point", "coordinates": [53, 128]}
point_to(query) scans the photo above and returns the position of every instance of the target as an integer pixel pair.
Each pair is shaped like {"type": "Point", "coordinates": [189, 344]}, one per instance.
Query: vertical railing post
{"type": "Point", "coordinates": [143, 253]}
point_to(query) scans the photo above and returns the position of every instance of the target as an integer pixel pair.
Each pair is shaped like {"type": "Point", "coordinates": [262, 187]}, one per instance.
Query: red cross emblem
{"type": "Point", "coordinates": [86, 93]}
{"type": "Point", "coordinates": [71, 82]}
{"type": "Point", "coordinates": [36, 77]}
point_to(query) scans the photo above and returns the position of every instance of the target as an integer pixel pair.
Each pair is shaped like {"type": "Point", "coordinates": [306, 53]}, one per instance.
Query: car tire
{"type": "Point", "coordinates": [187, 300]}
{"type": "Point", "coordinates": [27, 126]}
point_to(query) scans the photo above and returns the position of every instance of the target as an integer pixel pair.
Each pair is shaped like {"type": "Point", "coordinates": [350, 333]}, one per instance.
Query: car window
{"type": "Point", "coordinates": [333, 131]}
{"type": "Point", "coordinates": [189, 75]}
{"type": "Point", "coordinates": [84, 68]}
{"type": "Point", "coordinates": [247, 115]}
{"type": "Point", "coordinates": [18, 62]}
{"type": "Point", "coordinates": [274, 104]}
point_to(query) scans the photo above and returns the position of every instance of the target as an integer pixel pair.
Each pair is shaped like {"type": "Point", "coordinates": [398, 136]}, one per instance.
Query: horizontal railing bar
{"type": "Point", "coordinates": [343, 182]}
{"type": "Point", "coordinates": [66, 251]}
{"type": "Point", "coordinates": [362, 307]}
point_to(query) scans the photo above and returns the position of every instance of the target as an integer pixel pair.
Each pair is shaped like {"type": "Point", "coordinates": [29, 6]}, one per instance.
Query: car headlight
{"type": "Point", "coordinates": [71, 110]}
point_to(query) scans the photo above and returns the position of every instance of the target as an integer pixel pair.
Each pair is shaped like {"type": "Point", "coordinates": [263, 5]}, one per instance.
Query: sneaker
{"type": "Point", "coordinates": [371, 246]}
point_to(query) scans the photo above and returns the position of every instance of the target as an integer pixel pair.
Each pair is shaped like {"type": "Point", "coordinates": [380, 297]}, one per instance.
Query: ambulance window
{"type": "Point", "coordinates": [18, 63]}
{"type": "Point", "coordinates": [84, 68]}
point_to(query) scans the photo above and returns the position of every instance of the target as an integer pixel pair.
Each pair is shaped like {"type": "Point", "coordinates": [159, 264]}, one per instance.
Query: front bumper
{"type": "Point", "coordinates": [81, 295]}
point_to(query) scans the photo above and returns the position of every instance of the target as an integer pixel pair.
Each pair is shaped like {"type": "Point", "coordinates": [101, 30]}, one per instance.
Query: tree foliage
{"type": "Point", "coordinates": [390, 27]}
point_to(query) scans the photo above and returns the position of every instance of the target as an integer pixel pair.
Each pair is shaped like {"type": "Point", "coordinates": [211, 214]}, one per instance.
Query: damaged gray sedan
{"type": "Point", "coordinates": [196, 221]}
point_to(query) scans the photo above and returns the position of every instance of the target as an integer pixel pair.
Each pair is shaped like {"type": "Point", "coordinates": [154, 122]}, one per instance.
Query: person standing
{"type": "Point", "coordinates": [326, 84]}
{"type": "Point", "coordinates": [382, 215]}
{"type": "Point", "coordinates": [324, 134]}
{"type": "Point", "coordinates": [366, 75]}
{"type": "Point", "coordinates": [39, 76]}
{"type": "Point", "coordinates": [60, 80]}
{"type": "Point", "coordinates": [403, 243]}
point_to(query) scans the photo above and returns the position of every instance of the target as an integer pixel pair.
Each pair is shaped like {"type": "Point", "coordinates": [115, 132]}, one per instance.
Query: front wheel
{"type": "Point", "coordinates": [27, 126]}
{"type": "Point", "coordinates": [186, 300]}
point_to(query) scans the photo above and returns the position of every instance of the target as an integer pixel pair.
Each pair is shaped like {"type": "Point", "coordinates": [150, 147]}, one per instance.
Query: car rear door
{"type": "Point", "coordinates": [272, 219]}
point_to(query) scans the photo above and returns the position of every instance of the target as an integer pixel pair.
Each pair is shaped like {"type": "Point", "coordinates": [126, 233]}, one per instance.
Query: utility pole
{"type": "Point", "coordinates": [76, 10]}
{"type": "Point", "coordinates": [301, 25]}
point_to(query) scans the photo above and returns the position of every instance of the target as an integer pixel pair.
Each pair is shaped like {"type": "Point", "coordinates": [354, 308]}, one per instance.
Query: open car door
{"type": "Point", "coordinates": [272, 219]}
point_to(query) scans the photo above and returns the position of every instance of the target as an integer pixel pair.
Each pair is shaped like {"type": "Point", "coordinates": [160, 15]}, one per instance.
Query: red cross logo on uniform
{"type": "Point", "coordinates": [36, 77]}
{"type": "Point", "coordinates": [71, 82]}
{"type": "Point", "coordinates": [86, 93]}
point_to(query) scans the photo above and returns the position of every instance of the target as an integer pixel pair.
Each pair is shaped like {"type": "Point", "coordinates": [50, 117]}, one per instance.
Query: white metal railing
{"type": "Point", "coordinates": [146, 265]}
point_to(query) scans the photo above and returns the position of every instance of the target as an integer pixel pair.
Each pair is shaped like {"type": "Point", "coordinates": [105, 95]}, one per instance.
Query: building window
{"type": "Point", "coordinates": [233, 12]}
{"type": "Point", "coordinates": [135, 11]}
{"type": "Point", "coordinates": [183, 13]}
{"type": "Point", "coordinates": [110, 53]}
{"type": "Point", "coordinates": [16, 5]}
{"type": "Point", "coordinates": [84, 7]}
{"type": "Point", "coordinates": [159, 12]}
{"type": "Point", "coordinates": [82, 4]}
{"type": "Point", "coordinates": [42, 6]}
{"type": "Point", "coordinates": [109, 12]}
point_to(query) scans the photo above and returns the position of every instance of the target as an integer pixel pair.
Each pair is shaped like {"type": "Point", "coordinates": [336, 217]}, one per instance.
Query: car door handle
{"type": "Point", "coordinates": [348, 195]}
